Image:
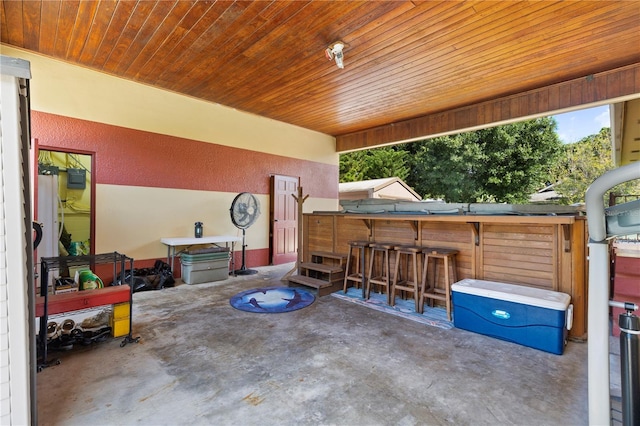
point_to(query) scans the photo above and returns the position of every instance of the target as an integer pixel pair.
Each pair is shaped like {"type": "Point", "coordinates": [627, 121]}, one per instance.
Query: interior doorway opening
{"type": "Point", "coordinates": [65, 200]}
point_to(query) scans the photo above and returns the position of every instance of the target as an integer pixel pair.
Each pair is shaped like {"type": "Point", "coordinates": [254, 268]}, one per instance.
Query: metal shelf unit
{"type": "Point", "coordinates": [88, 298]}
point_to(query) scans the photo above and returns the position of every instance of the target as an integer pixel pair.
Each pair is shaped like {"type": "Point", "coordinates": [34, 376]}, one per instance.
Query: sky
{"type": "Point", "coordinates": [575, 125]}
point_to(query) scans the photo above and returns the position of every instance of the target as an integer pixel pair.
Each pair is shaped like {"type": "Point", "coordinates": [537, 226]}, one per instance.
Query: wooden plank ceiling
{"type": "Point", "coordinates": [403, 59]}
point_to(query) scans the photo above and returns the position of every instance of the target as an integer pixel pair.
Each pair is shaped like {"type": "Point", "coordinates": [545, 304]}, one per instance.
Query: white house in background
{"type": "Point", "coordinates": [391, 188]}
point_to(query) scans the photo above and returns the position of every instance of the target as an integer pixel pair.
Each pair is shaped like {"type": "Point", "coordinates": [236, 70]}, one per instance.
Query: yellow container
{"type": "Point", "coordinates": [121, 310]}
{"type": "Point", "coordinates": [119, 327]}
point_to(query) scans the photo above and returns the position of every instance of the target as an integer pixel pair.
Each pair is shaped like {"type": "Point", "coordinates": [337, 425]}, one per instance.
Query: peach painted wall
{"type": "Point", "coordinates": [164, 161]}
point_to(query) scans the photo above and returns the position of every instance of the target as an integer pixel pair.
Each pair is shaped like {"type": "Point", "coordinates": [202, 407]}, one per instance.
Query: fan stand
{"type": "Point", "coordinates": [243, 269]}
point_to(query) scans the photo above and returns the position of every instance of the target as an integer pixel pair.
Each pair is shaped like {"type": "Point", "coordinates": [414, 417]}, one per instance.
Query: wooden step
{"type": "Point", "coordinates": [323, 287]}
{"type": "Point", "coordinates": [309, 281]}
{"type": "Point", "coordinates": [330, 255]}
{"type": "Point", "coordinates": [321, 267]}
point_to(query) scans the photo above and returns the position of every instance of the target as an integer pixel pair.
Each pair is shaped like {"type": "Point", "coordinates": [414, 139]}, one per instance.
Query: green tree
{"type": "Point", "coordinates": [440, 168]}
{"type": "Point", "coordinates": [374, 164]}
{"type": "Point", "coordinates": [585, 161]}
{"type": "Point", "coordinates": [501, 164]}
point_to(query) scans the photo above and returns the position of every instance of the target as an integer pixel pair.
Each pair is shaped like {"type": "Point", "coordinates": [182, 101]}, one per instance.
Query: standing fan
{"type": "Point", "coordinates": [244, 210]}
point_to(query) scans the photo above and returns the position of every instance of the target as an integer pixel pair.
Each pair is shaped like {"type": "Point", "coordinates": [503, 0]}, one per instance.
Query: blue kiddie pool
{"type": "Point", "coordinates": [529, 316]}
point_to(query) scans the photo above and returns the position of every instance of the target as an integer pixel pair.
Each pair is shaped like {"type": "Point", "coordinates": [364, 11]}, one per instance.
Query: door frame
{"type": "Point", "coordinates": [272, 200]}
{"type": "Point", "coordinates": [92, 203]}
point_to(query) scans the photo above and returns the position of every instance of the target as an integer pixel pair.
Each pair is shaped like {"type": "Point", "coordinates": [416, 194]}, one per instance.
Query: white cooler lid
{"type": "Point", "coordinates": [514, 293]}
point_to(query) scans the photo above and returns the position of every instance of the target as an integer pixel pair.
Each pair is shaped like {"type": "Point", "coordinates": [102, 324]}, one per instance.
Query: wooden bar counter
{"type": "Point", "coordinates": [540, 251]}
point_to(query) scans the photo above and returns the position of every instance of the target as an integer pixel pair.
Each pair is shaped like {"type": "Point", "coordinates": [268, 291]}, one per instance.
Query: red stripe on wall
{"type": "Point", "coordinates": [138, 158]}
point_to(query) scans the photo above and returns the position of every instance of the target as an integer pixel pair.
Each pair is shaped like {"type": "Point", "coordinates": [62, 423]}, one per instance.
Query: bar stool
{"type": "Point", "coordinates": [410, 254]}
{"type": "Point", "coordinates": [359, 248]}
{"type": "Point", "coordinates": [382, 275]}
{"type": "Point", "coordinates": [430, 290]}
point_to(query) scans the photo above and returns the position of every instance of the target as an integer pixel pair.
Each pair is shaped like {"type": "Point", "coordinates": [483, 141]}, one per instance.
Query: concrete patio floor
{"type": "Point", "coordinates": [200, 361]}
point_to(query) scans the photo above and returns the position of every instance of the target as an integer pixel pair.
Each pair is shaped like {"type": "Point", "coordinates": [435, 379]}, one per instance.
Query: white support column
{"type": "Point", "coordinates": [15, 334]}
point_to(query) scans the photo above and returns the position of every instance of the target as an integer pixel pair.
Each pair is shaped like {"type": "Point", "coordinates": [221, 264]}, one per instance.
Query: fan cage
{"type": "Point", "coordinates": [244, 210]}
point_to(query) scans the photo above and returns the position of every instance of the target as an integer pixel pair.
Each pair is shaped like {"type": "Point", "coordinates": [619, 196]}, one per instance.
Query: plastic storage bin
{"type": "Point", "coordinates": [528, 316]}
{"type": "Point", "coordinates": [206, 267]}
{"type": "Point", "coordinates": [120, 319]}
{"type": "Point", "coordinates": [119, 327]}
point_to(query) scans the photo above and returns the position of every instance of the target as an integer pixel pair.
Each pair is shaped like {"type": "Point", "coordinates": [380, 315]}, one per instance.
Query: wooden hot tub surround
{"type": "Point", "coordinates": [548, 252]}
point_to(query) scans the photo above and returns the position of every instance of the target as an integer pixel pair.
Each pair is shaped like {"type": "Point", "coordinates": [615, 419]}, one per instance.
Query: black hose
{"type": "Point", "coordinates": [37, 227]}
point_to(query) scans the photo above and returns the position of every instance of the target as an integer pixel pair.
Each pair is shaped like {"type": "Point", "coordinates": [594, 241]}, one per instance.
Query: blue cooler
{"type": "Point", "coordinates": [525, 315]}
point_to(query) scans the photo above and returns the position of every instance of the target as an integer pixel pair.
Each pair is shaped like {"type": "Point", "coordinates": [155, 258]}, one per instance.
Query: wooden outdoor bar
{"type": "Point", "coordinates": [543, 251]}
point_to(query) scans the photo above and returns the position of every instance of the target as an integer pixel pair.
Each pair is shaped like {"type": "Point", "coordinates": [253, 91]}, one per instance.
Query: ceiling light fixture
{"type": "Point", "coordinates": [334, 51]}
